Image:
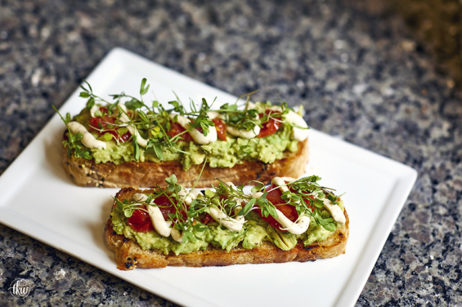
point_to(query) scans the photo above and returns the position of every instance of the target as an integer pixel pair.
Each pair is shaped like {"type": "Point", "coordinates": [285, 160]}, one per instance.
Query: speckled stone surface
{"type": "Point", "coordinates": [361, 76]}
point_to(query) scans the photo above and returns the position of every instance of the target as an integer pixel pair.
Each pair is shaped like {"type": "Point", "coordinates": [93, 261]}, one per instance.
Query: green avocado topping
{"type": "Point", "coordinates": [126, 120]}
{"type": "Point", "coordinates": [199, 231]}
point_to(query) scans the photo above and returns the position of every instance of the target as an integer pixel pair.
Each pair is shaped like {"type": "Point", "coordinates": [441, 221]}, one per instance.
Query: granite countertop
{"type": "Point", "coordinates": [361, 76]}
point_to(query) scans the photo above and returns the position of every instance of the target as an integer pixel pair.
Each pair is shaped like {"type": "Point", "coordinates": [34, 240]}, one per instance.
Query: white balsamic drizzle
{"type": "Point", "coordinates": [88, 140]}
{"type": "Point", "coordinates": [198, 137]}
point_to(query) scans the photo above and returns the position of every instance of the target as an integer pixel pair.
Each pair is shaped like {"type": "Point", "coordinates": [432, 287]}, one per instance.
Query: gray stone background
{"type": "Point", "coordinates": [360, 72]}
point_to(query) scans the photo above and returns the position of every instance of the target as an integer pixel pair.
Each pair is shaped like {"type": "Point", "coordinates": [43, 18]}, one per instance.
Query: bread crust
{"type": "Point", "coordinates": [150, 174]}
{"type": "Point", "coordinates": [129, 255]}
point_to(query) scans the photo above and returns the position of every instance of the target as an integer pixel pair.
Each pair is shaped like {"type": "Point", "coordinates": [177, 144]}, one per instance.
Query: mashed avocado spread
{"type": "Point", "coordinates": [218, 154]}
{"type": "Point", "coordinates": [246, 220]}
{"type": "Point", "coordinates": [252, 235]}
{"type": "Point", "coordinates": [131, 131]}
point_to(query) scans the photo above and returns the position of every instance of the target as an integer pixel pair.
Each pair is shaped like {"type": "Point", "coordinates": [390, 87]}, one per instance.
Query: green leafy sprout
{"type": "Point", "coordinates": [305, 194]}
{"type": "Point", "coordinates": [154, 122]}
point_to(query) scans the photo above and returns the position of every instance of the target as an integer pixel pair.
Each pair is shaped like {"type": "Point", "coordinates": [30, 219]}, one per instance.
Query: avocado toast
{"type": "Point", "coordinates": [289, 220]}
{"type": "Point", "coordinates": [129, 142]}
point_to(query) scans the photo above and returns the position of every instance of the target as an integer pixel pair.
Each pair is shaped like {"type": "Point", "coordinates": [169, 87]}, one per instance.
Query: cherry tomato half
{"type": "Point", "coordinates": [269, 127]}
{"type": "Point", "coordinates": [103, 124]}
{"type": "Point", "coordinates": [274, 196]}
{"type": "Point", "coordinates": [176, 129]}
{"type": "Point", "coordinates": [124, 137]}
{"type": "Point", "coordinates": [220, 126]}
{"type": "Point", "coordinates": [140, 221]}
{"type": "Point", "coordinates": [167, 208]}
{"type": "Point", "coordinates": [207, 219]}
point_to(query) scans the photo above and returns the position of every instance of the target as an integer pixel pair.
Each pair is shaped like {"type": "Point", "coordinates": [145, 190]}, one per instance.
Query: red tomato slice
{"type": "Point", "coordinates": [166, 207]}
{"type": "Point", "coordinates": [220, 126]}
{"type": "Point", "coordinates": [206, 219]}
{"type": "Point", "coordinates": [101, 122]}
{"type": "Point", "coordinates": [176, 129]}
{"type": "Point", "coordinates": [271, 126]}
{"type": "Point", "coordinates": [100, 125]}
{"type": "Point", "coordinates": [140, 221]}
{"type": "Point", "coordinates": [308, 202]}
{"type": "Point", "coordinates": [124, 137]}
{"type": "Point", "coordinates": [274, 196]}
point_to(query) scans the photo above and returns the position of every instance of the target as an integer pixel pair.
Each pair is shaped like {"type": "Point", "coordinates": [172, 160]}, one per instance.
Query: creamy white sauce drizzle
{"type": "Point", "coordinates": [281, 182]}
{"type": "Point", "coordinates": [335, 211]}
{"type": "Point", "coordinates": [140, 197]}
{"type": "Point", "coordinates": [139, 139]}
{"type": "Point", "coordinates": [244, 133]}
{"type": "Point", "coordinates": [88, 140]}
{"type": "Point", "coordinates": [189, 196]}
{"type": "Point", "coordinates": [176, 235]}
{"type": "Point", "coordinates": [197, 136]}
{"type": "Point", "coordinates": [131, 128]}
{"type": "Point", "coordinates": [162, 226]}
{"type": "Point", "coordinates": [297, 227]}
{"type": "Point", "coordinates": [300, 128]}
{"type": "Point", "coordinates": [275, 108]}
{"type": "Point", "coordinates": [303, 221]}
{"type": "Point", "coordinates": [93, 110]}
{"type": "Point", "coordinates": [233, 224]}
{"type": "Point", "coordinates": [212, 115]}
{"type": "Point", "coordinates": [298, 133]}
{"type": "Point", "coordinates": [257, 194]}
{"type": "Point", "coordinates": [250, 105]}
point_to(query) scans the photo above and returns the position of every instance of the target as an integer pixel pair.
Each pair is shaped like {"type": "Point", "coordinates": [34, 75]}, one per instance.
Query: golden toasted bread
{"type": "Point", "coordinates": [129, 255]}
{"type": "Point", "coordinates": [149, 174]}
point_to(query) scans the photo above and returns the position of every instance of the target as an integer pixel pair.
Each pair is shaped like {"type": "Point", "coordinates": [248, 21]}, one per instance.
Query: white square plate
{"type": "Point", "coordinates": [39, 200]}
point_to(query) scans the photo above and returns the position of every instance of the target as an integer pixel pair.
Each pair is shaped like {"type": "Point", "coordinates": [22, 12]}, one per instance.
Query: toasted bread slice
{"type": "Point", "coordinates": [129, 255]}
{"type": "Point", "coordinates": [149, 174]}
